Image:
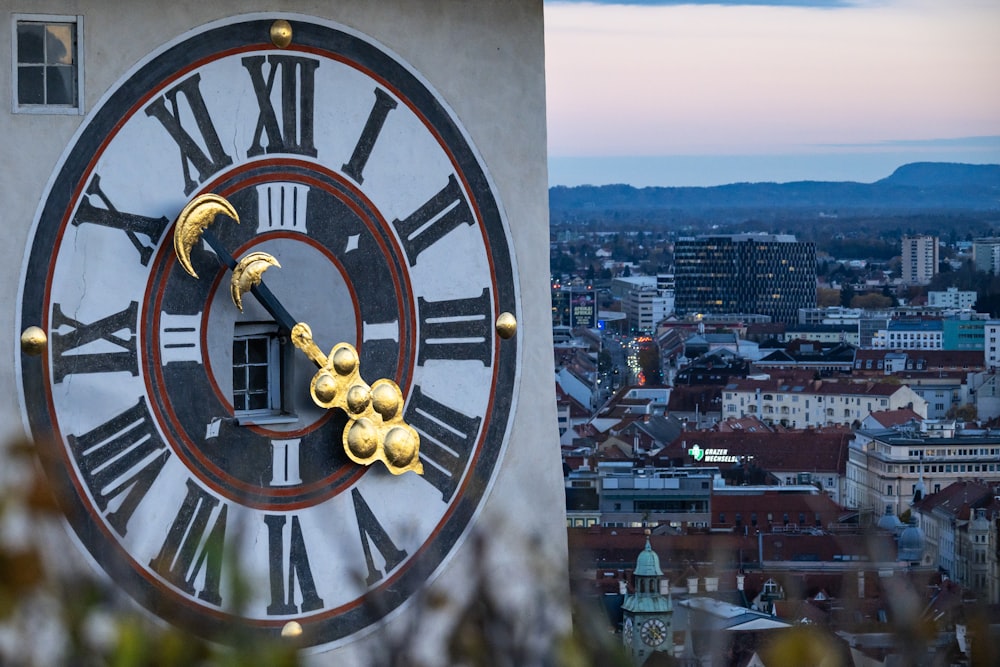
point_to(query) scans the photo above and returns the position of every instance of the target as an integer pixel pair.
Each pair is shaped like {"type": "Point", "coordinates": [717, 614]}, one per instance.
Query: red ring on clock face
{"type": "Point", "coordinates": [230, 388]}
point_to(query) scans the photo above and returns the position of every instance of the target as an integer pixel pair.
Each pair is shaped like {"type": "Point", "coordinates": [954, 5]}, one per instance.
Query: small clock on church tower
{"type": "Point", "coordinates": [648, 614]}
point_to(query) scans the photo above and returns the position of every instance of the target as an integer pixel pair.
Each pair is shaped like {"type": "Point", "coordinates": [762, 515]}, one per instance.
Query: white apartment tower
{"type": "Point", "coordinates": [920, 259]}
{"type": "Point", "coordinates": [986, 254]}
{"type": "Point", "coordinates": [991, 344]}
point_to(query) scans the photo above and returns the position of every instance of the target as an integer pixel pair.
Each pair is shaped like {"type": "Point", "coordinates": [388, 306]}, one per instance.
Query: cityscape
{"type": "Point", "coordinates": [771, 301]}
{"type": "Point", "coordinates": [761, 432]}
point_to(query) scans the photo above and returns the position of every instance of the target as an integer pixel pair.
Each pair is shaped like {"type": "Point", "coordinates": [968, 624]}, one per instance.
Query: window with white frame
{"type": "Point", "coordinates": [47, 64]}
{"type": "Point", "coordinates": [254, 384]}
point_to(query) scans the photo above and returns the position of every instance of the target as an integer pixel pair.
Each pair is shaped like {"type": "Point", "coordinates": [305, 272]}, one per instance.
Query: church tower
{"type": "Point", "coordinates": [648, 614]}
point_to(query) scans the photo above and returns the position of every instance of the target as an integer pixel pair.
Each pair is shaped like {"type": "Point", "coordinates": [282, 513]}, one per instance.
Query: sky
{"type": "Point", "coordinates": [706, 93]}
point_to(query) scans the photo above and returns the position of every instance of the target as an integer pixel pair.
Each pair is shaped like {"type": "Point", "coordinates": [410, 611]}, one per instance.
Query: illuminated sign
{"type": "Point", "coordinates": [583, 310]}
{"type": "Point", "coordinates": [702, 455]}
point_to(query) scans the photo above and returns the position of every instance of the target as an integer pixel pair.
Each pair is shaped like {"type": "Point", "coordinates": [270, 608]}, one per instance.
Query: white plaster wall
{"type": "Point", "coordinates": [486, 59]}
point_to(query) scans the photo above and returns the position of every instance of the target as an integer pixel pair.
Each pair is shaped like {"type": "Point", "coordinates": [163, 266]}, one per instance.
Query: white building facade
{"type": "Point", "coordinates": [952, 298]}
{"type": "Point", "coordinates": [816, 403]}
{"type": "Point", "coordinates": [920, 259]}
{"type": "Point", "coordinates": [886, 468]}
{"type": "Point", "coordinates": [991, 343]}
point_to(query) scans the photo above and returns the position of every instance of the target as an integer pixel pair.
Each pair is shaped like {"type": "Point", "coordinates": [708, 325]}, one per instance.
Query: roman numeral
{"type": "Point", "coordinates": [456, 329]}
{"type": "Point", "coordinates": [445, 211]}
{"type": "Point", "coordinates": [380, 331]}
{"type": "Point", "coordinates": [117, 330]}
{"type": "Point", "coordinates": [447, 438]}
{"type": "Point", "coordinates": [121, 457]}
{"type": "Point", "coordinates": [282, 207]}
{"type": "Point", "coordinates": [130, 223]}
{"type": "Point", "coordinates": [293, 569]}
{"type": "Point", "coordinates": [191, 545]}
{"type": "Point", "coordinates": [373, 126]}
{"type": "Point", "coordinates": [298, 83]}
{"type": "Point", "coordinates": [192, 154]}
{"type": "Point", "coordinates": [285, 462]}
{"type": "Point", "coordinates": [180, 338]}
{"type": "Point", "coordinates": [372, 532]}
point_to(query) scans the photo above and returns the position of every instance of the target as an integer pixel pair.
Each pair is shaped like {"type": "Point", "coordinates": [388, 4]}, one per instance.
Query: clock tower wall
{"type": "Point", "coordinates": [485, 61]}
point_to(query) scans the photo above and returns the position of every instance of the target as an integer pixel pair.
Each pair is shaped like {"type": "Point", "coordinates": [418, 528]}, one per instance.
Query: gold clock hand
{"type": "Point", "coordinates": [192, 225]}
{"type": "Point", "coordinates": [248, 274]}
{"type": "Point", "coordinates": [194, 220]}
{"type": "Point", "coordinates": [376, 430]}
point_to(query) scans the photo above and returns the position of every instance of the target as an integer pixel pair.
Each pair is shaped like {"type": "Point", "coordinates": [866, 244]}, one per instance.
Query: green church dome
{"type": "Point", "coordinates": [648, 563]}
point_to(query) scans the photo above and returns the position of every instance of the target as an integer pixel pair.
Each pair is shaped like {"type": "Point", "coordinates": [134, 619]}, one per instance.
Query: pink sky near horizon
{"type": "Point", "coordinates": [712, 80]}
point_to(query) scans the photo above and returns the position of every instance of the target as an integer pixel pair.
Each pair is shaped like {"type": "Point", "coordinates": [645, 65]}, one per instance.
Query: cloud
{"type": "Point", "coordinates": [973, 143]}
{"type": "Point", "coordinates": [956, 142]}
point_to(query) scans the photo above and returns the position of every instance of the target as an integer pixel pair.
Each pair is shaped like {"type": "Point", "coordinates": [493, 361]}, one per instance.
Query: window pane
{"type": "Point", "coordinates": [59, 85]}
{"type": "Point", "coordinates": [239, 378]}
{"type": "Point", "coordinates": [239, 351]}
{"type": "Point", "coordinates": [30, 85]}
{"type": "Point", "coordinates": [30, 44]}
{"type": "Point", "coordinates": [258, 402]}
{"type": "Point", "coordinates": [258, 377]}
{"type": "Point", "coordinates": [240, 402]}
{"type": "Point", "coordinates": [257, 350]}
{"type": "Point", "coordinates": [59, 43]}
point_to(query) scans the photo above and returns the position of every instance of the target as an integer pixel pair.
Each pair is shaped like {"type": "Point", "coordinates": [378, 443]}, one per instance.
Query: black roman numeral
{"type": "Point", "coordinates": [124, 455]}
{"type": "Point", "coordinates": [130, 223]}
{"type": "Point", "coordinates": [372, 531]}
{"type": "Point", "coordinates": [298, 84]}
{"type": "Point", "coordinates": [456, 329]}
{"type": "Point", "coordinates": [191, 153]}
{"type": "Point", "coordinates": [444, 212]}
{"type": "Point", "coordinates": [447, 438]}
{"type": "Point", "coordinates": [282, 597]}
{"type": "Point", "coordinates": [188, 549]}
{"type": "Point", "coordinates": [373, 126]}
{"type": "Point", "coordinates": [117, 329]}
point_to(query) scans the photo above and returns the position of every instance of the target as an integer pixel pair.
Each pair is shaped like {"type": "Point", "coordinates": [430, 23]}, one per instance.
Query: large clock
{"type": "Point", "coordinates": [181, 431]}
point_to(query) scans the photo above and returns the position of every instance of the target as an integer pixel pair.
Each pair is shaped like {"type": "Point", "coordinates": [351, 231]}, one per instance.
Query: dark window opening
{"type": "Point", "coordinates": [47, 70]}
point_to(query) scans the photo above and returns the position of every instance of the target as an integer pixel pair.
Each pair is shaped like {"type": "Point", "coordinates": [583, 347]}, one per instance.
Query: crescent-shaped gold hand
{"type": "Point", "coordinates": [193, 220]}
{"type": "Point", "coordinates": [248, 273]}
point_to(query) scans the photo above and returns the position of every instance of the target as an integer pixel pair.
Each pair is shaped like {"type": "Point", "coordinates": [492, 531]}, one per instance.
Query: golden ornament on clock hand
{"type": "Point", "coordinates": [248, 273]}
{"type": "Point", "coordinates": [193, 220]}
{"type": "Point", "coordinates": [376, 430]}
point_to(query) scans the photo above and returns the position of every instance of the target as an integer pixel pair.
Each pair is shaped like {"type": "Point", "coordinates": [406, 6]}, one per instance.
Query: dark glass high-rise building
{"type": "Point", "coordinates": [770, 274]}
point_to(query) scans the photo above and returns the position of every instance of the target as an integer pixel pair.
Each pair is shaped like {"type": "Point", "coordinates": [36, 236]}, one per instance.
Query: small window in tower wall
{"type": "Point", "coordinates": [47, 64]}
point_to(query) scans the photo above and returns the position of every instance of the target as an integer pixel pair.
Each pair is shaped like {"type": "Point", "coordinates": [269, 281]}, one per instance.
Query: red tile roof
{"type": "Point", "coordinates": [933, 359]}
{"type": "Point", "coordinates": [809, 450]}
{"type": "Point", "coordinates": [771, 508]}
{"type": "Point", "coordinates": [890, 418]}
{"type": "Point", "coordinates": [826, 388]}
{"type": "Point", "coordinates": [958, 498]}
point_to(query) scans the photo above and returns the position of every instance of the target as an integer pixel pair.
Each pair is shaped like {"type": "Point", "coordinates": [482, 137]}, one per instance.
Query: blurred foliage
{"type": "Point", "coordinates": [51, 617]}
{"type": "Point", "coordinates": [871, 301]}
{"type": "Point", "coordinates": [63, 618]}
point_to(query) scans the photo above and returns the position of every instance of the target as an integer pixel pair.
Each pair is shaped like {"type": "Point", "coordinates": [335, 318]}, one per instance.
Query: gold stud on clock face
{"type": "Point", "coordinates": [185, 435]}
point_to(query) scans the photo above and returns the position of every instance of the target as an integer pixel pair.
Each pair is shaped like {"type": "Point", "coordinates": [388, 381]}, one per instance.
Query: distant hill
{"type": "Point", "coordinates": [921, 187]}
{"type": "Point", "coordinates": [944, 175]}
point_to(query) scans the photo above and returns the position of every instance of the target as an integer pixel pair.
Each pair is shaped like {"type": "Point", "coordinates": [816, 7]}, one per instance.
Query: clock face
{"type": "Point", "coordinates": [653, 632]}
{"type": "Point", "coordinates": [179, 431]}
{"type": "Point", "coordinates": [627, 631]}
